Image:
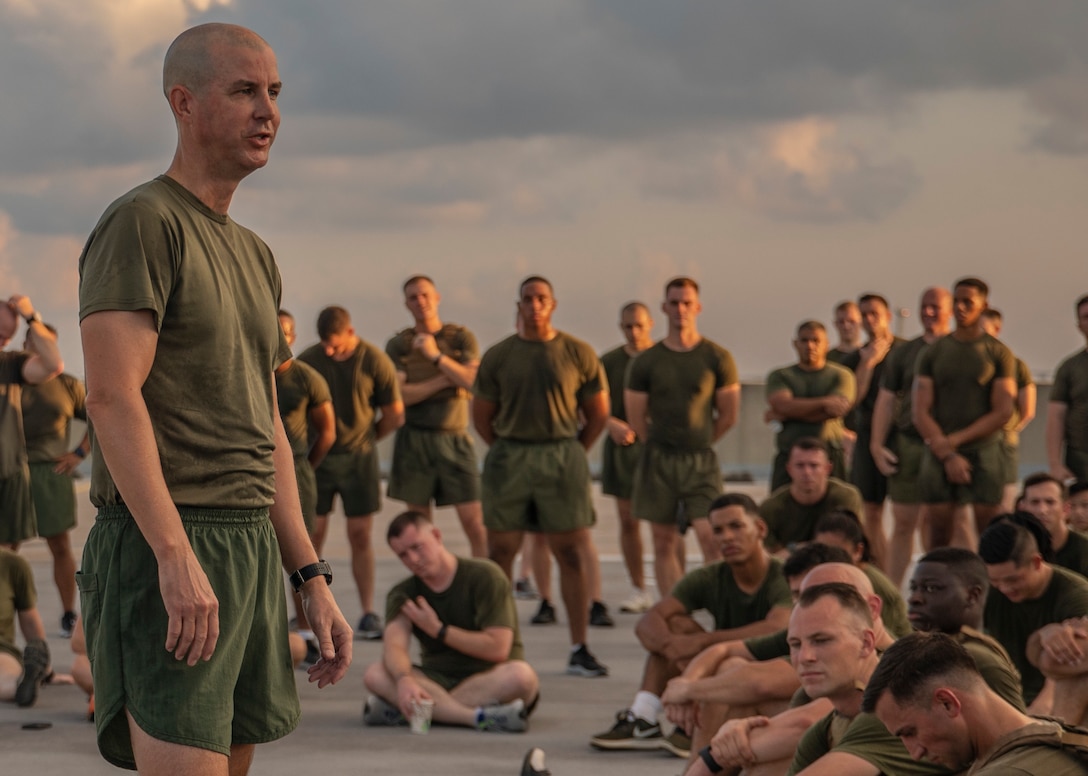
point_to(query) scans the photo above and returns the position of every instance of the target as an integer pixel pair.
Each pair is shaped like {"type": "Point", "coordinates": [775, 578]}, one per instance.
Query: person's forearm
{"type": "Point", "coordinates": [30, 624]}
{"type": "Point", "coordinates": [44, 343]}
{"type": "Point", "coordinates": [482, 645]}
{"type": "Point", "coordinates": [882, 419]}
{"type": "Point", "coordinates": [592, 429]}
{"type": "Point", "coordinates": [1055, 433]}
{"type": "Point", "coordinates": [805, 410]}
{"type": "Point", "coordinates": [779, 739]}
{"type": "Point", "coordinates": [391, 419]}
{"type": "Point", "coordinates": [727, 406]}
{"type": "Point", "coordinates": [461, 375]}
{"type": "Point", "coordinates": [414, 393]}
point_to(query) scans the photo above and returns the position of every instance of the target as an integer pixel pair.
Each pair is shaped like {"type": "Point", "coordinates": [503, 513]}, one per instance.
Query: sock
{"type": "Point", "coordinates": [647, 706]}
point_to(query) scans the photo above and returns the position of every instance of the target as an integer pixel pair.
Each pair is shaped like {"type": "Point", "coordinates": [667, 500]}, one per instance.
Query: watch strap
{"type": "Point", "coordinates": [303, 575]}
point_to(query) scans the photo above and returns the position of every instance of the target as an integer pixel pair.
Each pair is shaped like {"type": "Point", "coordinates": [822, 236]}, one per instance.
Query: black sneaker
{"type": "Point", "coordinates": [582, 663]}
{"type": "Point", "coordinates": [533, 764]}
{"type": "Point", "coordinates": [629, 732]}
{"type": "Point", "coordinates": [545, 614]}
{"type": "Point", "coordinates": [524, 590]}
{"type": "Point", "coordinates": [67, 624]}
{"type": "Point", "coordinates": [599, 616]}
{"type": "Point", "coordinates": [35, 669]}
{"type": "Point", "coordinates": [678, 742]}
{"type": "Point", "coordinates": [370, 627]}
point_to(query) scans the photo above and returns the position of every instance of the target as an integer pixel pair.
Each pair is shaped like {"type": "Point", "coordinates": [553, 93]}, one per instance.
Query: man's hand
{"type": "Point", "coordinates": [333, 634]}
{"type": "Point", "coordinates": [620, 433]}
{"type": "Point", "coordinates": [422, 615]}
{"type": "Point", "coordinates": [1064, 641]}
{"type": "Point", "coordinates": [679, 708]}
{"type": "Point", "coordinates": [426, 346]}
{"type": "Point", "coordinates": [193, 609]}
{"type": "Point", "coordinates": [957, 469]}
{"type": "Point", "coordinates": [875, 350]}
{"type": "Point", "coordinates": [409, 692]}
{"type": "Point", "coordinates": [67, 463]}
{"type": "Point", "coordinates": [21, 305]}
{"type": "Point", "coordinates": [836, 406]}
{"type": "Point", "coordinates": [886, 461]}
{"type": "Point", "coordinates": [731, 747]}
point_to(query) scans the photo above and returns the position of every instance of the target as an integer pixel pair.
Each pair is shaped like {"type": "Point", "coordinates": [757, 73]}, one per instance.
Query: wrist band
{"type": "Point", "coordinates": [441, 635]}
{"type": "Point", "coordinates": [436, 359]}
{"type": "Point", "coordinates": [80, 452]}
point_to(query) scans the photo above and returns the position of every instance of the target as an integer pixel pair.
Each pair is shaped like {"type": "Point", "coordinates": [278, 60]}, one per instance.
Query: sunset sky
{"type": "Point", "coordinates": [785, 154]}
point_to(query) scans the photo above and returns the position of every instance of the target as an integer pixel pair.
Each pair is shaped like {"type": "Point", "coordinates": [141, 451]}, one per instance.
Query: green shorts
{"type": "Point", "coordinates": [245, 694]}
{"type": "Point", "coordinates": [11, 649]}
{"type": "Point", "coordinates": [17, 521]}
{"type": "Point", "coordinates": [54, 499]}
{"type": "Point", "coordinates": [1010, 459]}
{"type": "Point", "coordinates": [675, 485]}
{"type": "Point", "coordinates": [903, 485]}
{"type": "Point", "coordinates": [307, 490]}
{"type": "Point", "coordinates": [445, 681]}
{"type": "Point", "coordinates": [537, 486]}
{"type": "Point", "coordinates": [987, 484]}
{"type": "Point", "coordinates": [863, 472]}
{"type": "Point", "coordinates": [618, 463]}
{"type": "Point", "coordinates": [437, 466]}
{"type": "Point", "coordinates": [356, 477]}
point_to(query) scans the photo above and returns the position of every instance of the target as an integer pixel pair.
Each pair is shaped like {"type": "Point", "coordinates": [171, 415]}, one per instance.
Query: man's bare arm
{"type": "Point", "coordinates": [595, 411]}
{"type": "Point", "coordinates": [815, 410]}
{"type": "Point", "coordinates": [840, 764]}
{"type": "Point", "coordinates": [1026, 399]}
{"type": "Point", "coordinates": [323, 419]}
{"type": "Point", "coordinates": [727, 406]}
{"type": "Point", "coordinates": [414, 393]}
{"type": "Point", "coordinates": [1001, 403]}
{"type": "Point", "coordinates": [483, 413]}
{"type": "Point", "coordinates": [636, 404]}
{"type": "Point", "coordinates": [392, 418]}
{"type": "Point", "coordinates": [884, 458]}
{"type": "Point", "coordinates": [1055, 438]}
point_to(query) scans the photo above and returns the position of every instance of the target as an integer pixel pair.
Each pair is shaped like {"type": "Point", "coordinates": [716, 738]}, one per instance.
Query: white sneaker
{"type": "Point", "coordinates": [639, 601]}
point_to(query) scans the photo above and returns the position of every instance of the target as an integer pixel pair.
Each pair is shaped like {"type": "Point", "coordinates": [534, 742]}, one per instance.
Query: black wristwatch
{"type": "Point", "coordinates": [306, 573]}
{"type": "Point", "coordinates": [34, 317]}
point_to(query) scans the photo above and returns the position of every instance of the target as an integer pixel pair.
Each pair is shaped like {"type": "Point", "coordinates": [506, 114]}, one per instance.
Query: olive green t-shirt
{"type": "Point", "coordinates": [1071, 389]}
{"type": "Point", "coordinates": [615, 363]}
{"type": "Point", "coordinates": [17, 594]}
{"type": "Point", "coordinates": [1033, 750]}
{"type": "Point", "coordinates": [789, 522]}
{"type": "Point", "coordinates": [1013, 623]}
{"type": "Point", "coordinates": [898, 377]}
{"type": "Point", "coordinates": [359, 386]}
{"type": "Point", "coordinates": [478, 598]}
{"type": "Point", "coordinates": [894, 613]}
{"type": "Point", "coordinates": [994, 664]}
{"type": "Point", "coordinates": [213, 288]}
{"type": "Point", "coordinates": [680, 389]}
{"type": "Point", "coordinates": [866, 738]}
{"type": "Point", "coordinates": [963, 375]}
{"type": "Point", "coordinates": [1074, 554]}
{"type": "Point", "coordinates": [446, 410]}
{"type": "Point", "coordinates": [714, 589]}
{"type": "Point", "coordinates": [846, 358]}
{"type": "Point", "coordinates": [862, 414]}
{"type": "Point", "coordinates": [12, 447]}
{"type": "Point", "coordinates": [299, 389]}
{"type": "Point", "coordinates": [538, 386]}
{"type": "Point", "coordinates": [831, 380]}
{"type": "Point", "coordinates": [48, 411]}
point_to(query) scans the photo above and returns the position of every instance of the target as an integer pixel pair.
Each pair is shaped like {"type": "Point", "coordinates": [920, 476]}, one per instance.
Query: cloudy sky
{"type": "Point", "coordinates": [786, 154]}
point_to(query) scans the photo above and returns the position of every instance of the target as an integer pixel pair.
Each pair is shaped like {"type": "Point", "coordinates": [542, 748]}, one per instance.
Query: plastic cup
{"type": "Point", "coordinates": [421, 716]}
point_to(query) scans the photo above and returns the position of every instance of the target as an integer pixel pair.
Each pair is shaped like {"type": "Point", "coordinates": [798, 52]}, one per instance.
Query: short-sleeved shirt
{"type": "Point", "coordinates": [862, 413]}
{"type": "Point", "coordinates": [1013, 623]}
{"type": "Point", "coordinates": [864, 737]}
{"type": "Point", "coordinates": [1033, 750]}
{"type": "Point", "coordinates": [894, 613]}
{"type": "Point", "coordinates": [299, 388]}
{"type": "Point", "coordinates": [48, 411]}
{"type": "Point", "coordinates": [1074, 554]}
{"type": "Point", "coordinates": [714, 589]}
{"type": "Point", "coordinates": [615, 364]}
{"type": "Point", "coordinates": [994, 664]}
{"type": "Point", "coordinates": [359, 386]}
{"type": "Point", "coordinates": [445, 410]}
{"type": "Point", "coordinates": [846, 358]}
{"type": "Point", "coordinates": [12, 447]}
{"type": "Point", "coordinates": [789, 522]}
{"type": "Point", "coordinates": [213, 289]}
{"type": "Point", "coordinates": [963, 375]}
{"type": "Point", "coordinates": [680, 388]}
{"type": "Point", "coordinates": [898, 377]}
{"type": "Point", "coordinates": [478, 598]}
{"type": "Point", "coordinates": [538, 386]}
{"type": "Point", "coordinates": [17, 594]}
{"type": "Point", "coordinates": [1071, 389]}
{"type": "Point", "coordinates": [831, 380]}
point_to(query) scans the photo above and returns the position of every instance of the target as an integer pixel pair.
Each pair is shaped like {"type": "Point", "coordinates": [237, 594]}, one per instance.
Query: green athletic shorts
{"type": "Point", "coordinates": [11, 649]}
{"type": "Point", "coordinates": [437, 466]}
{"type": "Point", "coordinates": [863, 472]}
{"type": "Point", "coordinates": [307, 490]}
{"type": "Point", "coordinates": [666, 479]}
{"type": "Point", "coordinates": [445, 681]}
{"type": "Point", "coordinates": [537, 486]}
{"type": "Point", "coordinates": [987, 478]}
{"type": "Point", "coordinates": [903, 485]}
{"type": "Point", "coordinates": [245, 694]}
{"type": "Point", "coordinates": [54, 499]}
{"type": "Point", "coordinates": [618, 464]}
{"type": "Point", "coordinates": [1010, 459]}
{"type": "Point", "coordinates": [356, 477]}
{"type": "Point", "coordinates": [17, 521]}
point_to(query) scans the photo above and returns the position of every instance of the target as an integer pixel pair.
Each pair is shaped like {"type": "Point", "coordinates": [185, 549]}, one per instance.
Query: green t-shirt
{"type": "Point", "coordinates": [12, 447]}
{"type": "Point", "coordinates": [846, 358]}
{"type": "Point", "coordinates": [714, 589]}
{"type": "Point", "coordinates": [17, 594]}
{"type": "Point", "coordinates": [1071, 389]}
{"type": "Point", "coordinates": [615, 364]}
{"type": "Point", "coordinates": [48, 411]}
{"type": "Point", "coordinates": [359, 386]}
{"type": "Point", "coordinates": [1013, 623]}
{"type": "Point", "coordinates": [963, 375]}
{"type": "Point", "coordinates": [539, 386]}
{"type": "Point", "coordinates": [213, 288]}
{"type": "Point", "coordinates": [299, 389]}
{"type": "Point", "coordinates": [680, 389]}
{"type": "Point", "coordinates": [770, 646]}
{"type": "Point", "coordinates": [446, 410]}
{"type": "Point", "coordinates": [862, 414]}
{"type": "Point", "coordinates": [898, 377]}
{"type": "Point", "coordinates": [831, 380]}
{"type": "Point", "coordinates": [1074, 554]}
{"type": "Point", "coordinates": [478, 598]}
{"type": "Point", "coordinates": [864, 737]}
{"type": "Point", "coordinates": [994, 664]}
{"type": "Point", "coordinates": [894, 612]}
{"type": "Point", "coordinates": [789, 522]}
{"type": "Point", "coordinates": [1033, 750]}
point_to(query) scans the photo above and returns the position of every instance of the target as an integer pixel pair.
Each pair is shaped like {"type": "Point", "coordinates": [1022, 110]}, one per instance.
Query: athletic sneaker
{"type": "Point", "coordinates": [599, 616]}
{"type": "Point", "coordinates": [503, 718]}
{"type": "Point", "coordinates": [377, 712]}
{"type": "Point", "coordinates": [639, 602]}
{"type": "Point", "coordinates": [67, 624]}
{"type": "Point", "coordinates": [678, 742]}
{"type": "Point", "coordinates": [545, 615]}
{"type": "Point", "coordinates": [630, 732]}
{"type": "Point", "coordinates": [582, 663]}
{"type": "Point", "coordinates": [370, 627]}
{"type": "Point", "coordinates": [533, 764]}
{"type": "Point", "coordinates": [524, 590]}
{"type": "Point", "coordinates": [35, 669]}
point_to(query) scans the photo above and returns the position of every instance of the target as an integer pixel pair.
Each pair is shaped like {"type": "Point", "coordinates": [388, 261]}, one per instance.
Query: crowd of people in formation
{"type": "Point", "coordinates": [806, 657]}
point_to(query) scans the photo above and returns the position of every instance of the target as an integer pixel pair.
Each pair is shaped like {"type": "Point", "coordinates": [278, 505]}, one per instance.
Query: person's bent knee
{"type": "Point", "coordinates": [376, 678]}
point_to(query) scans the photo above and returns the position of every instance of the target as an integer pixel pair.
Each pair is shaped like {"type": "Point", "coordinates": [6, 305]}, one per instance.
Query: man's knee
{"type": "Point", "coordinates": [376, 678]}
{"type": "Point", "coordinates": [569, 549]}
{"type": "Point", "coordinates": [359, 531]}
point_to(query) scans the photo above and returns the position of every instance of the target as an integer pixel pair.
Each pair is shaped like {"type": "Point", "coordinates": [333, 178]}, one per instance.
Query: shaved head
{"type": "Point", "coordinates": [845, 573]}
{"type": "Point", "coordinates": [189, 62]}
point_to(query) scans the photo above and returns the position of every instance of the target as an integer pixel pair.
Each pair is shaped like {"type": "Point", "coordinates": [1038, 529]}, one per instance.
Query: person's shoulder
{"type": "Point", "coordinates": [1066, 581]}
{"type": "Point", "coordinates": [306, 372]}
{"type": "Point", "coordinates": [12, 563]}
{"type": "Point", "coordinates": [572, 343]}
{"type": "Point", "coordinates": [777, 497]}
{"type": "Point", "coordinates": [841, 488]}
{"type": "Point", "coordinates": [616, 355]}
{"type": "Point", "coordinates": [838, 370]}
{"type": "Point", "coordinates": [314, 354]}
{"type": "Point", "coordinates": [401, 341]}
{"type": "Point", "coordinates": [507, 343]}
